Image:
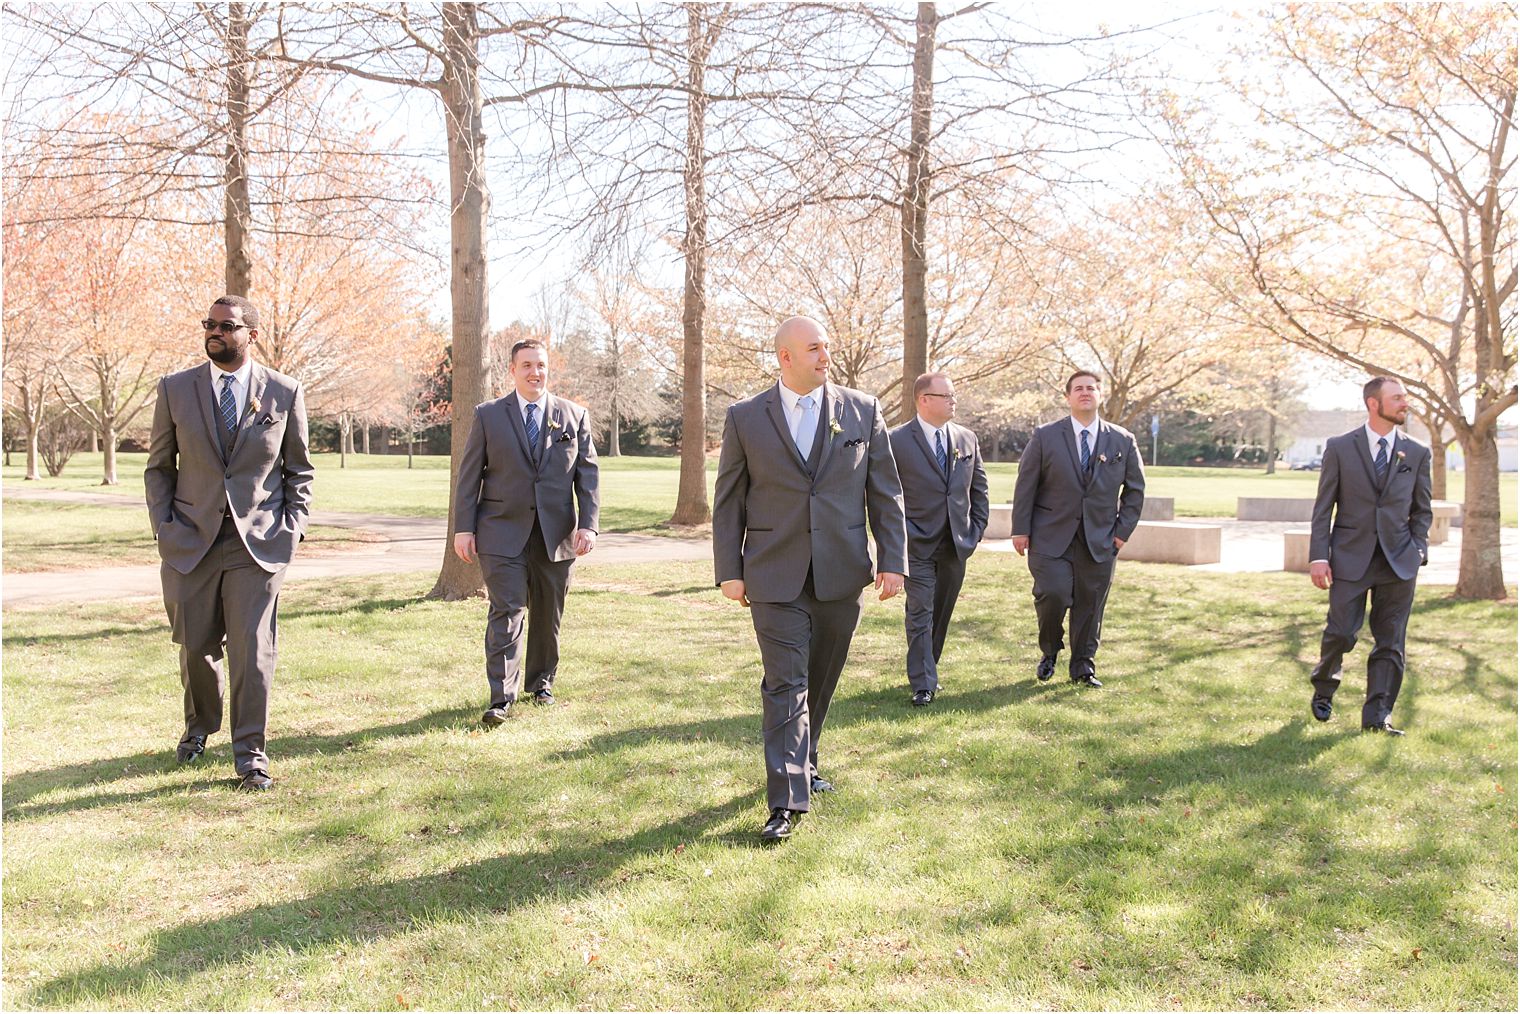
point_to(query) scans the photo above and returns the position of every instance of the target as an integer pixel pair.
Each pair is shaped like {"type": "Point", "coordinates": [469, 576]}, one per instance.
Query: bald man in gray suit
{"type": "Point", "coordinates": [228, 485]}
{"type": "Point", "coordinates": [803, 464]}
{"type": "Point", "coordinates": [526, 504]}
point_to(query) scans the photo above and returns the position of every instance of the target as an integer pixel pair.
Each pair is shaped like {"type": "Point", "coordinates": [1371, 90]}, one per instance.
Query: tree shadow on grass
{"type": "Point", "coordinates": [371, 911]}
{"type": "Point", "coordinates": [21, 789]}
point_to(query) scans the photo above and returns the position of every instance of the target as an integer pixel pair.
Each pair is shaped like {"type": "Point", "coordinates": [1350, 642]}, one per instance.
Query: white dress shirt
{"type": "Point", "coordinates": [789, 400]}
{"type": "Point", "coordinates": [541, 403]}
{"type": "Point", "coordinates": [944, 431]}
{"type": "Point", "coordinates": [241, 378]}
{"type": "Point", "coordinates": [1092, 436]}
{"type": "Point", "coordinates": [1373, 437]}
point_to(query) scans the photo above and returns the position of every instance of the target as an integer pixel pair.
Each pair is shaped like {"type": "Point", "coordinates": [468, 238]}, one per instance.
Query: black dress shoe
{"type": "Point", "coordinates": [256, 781]}
{"type": "Point", "coordinates": [1085, 679]}
{"type": "Point", "coordinates": [1046, 668]}
{"type": "Point", "coordinates": [781, 825]}
{"type": "Point", "coordinates": [1320, 707]}
{"type": "Point", "coordinates": [922, 698]}
{"type": "Point", "coordinates": [820, 784]}
{"type": "Point", "coordinates": [1384, 726]}
{"type": "Point", "coordinates": [189, 753]}
{"type": "Point", "coordinates": [495, 715]}
{"type": "Point", "coordinates": [544, 696]}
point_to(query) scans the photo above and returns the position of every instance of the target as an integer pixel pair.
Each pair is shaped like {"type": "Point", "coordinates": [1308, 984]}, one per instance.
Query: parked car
{"type": "Point", "coordinates": [1309, 465]}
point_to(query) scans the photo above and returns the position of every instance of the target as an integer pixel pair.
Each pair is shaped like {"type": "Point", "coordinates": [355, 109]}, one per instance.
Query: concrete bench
{"type": "Point", "coordinates": [1158, 508]}
{"type": "Point", "coordinates": [1296, 552]}
{"type": "Point", "coordinates": [1173, 542]}
{"type": "Point", "coordinates": [1445, 514]}
{"type": "Point", "coordinates": [1274, 508]}
{"type": "Point", "coordinates": [999, 522]}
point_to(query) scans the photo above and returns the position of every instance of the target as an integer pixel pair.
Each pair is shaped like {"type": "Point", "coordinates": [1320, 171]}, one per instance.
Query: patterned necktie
{"type": "Point", "coordinates": [228, 409]}
{"type": "Point", "coordinates": [532, 426]}
{"type": "Point", "coordinates": [1381, 464]}
{"type": "Point", "coordinates": [1086, 453]}
{"type": "Point", "coordinates": [807, 426]}
{"type": "Point", "coordinates": [939, 452]}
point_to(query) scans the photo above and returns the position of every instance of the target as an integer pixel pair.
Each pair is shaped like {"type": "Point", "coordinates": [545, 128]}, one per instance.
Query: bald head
{"type": "Point", "coordinates": [802, 349]}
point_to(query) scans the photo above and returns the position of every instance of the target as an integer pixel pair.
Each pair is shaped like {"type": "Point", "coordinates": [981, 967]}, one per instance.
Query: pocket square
{"type": "Point", "coordinates": [565, 437]}
{"type": "Point", "coordinates": [1405, 468]}
{"type": "Point", "coordinates": [268, 419]}
{"type": "Point", "coordinates": [856, 442]}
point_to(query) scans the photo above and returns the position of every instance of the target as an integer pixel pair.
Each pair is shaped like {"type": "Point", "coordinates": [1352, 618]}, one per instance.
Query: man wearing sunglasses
{"type": "Point", "coordinates": [229, 493]}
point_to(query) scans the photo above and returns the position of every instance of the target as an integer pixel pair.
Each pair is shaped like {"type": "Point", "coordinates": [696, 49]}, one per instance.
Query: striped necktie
{"type": "Point", "coordinates": [228, 409]}
{"type": "Point", "coordinates": [532, 426]}
{"type": "Point", "coordinates": [1381, 464]}
{"type": "Point", "coordinates": [939, 452]}
{"type": "Point", "coordinates": [1086, 453]}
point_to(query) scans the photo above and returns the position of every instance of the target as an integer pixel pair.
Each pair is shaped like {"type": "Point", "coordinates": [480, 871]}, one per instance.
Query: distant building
{"type": "Point", "coordinates": [1313, 428]}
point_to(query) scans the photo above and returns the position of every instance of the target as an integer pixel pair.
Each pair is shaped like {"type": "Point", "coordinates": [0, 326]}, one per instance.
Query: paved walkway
{"type": "Point", "coordinates": [416, 544]}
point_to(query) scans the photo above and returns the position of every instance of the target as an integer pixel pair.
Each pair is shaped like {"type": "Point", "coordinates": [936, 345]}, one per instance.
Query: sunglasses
{"type": "Point", "coordinates": [224, 326]}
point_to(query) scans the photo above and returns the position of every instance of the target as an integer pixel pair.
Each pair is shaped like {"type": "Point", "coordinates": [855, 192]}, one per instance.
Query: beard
{"type": "Point", "coordinates": [1396, 418]}
{"type": "Point", "coordinates": [224, 354]}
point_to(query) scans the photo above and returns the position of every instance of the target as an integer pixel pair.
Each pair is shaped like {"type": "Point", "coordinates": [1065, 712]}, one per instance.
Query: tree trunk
{"type": "Point", "coordinates": [1481, 572]}
{"type": "Point", "coordinates": [237, 207]}
{"type": "Point", "coordinates": [469, 204]}
{"type": "Point", "coordinates": [94, 441]}
{"type": "Point", "coordinates": [1271, 444]}
{"type": "Point", "coordinates": [1437, 466]}
{"type": "Point", "coordinates": [366, 438]}
{"type": "Point", "coordinates": [691, 496]}
{"type": "Point", "coordinates": [32, 412]}
{"type": "Point", "coordinates": [915, 211]}
{"type": "Point", "coordinates": [108, 444]}
{"type": "Point", "coordinates": [613, 450]}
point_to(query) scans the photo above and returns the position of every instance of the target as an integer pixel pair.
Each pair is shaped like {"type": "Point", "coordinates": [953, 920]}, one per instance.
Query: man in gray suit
{"type": "Point", "coordinates": [1370, 535]}
{"type": "Point", "coordinates": [228, 486]}
{"type": "Point", "coordinates": [526, 504]}
{"type": "Point", "coordinates": [1077, 500]}
{"type": "Point", "coordinates": [803, 464]}
{"type": "Point", "coordinates": [945, 494]}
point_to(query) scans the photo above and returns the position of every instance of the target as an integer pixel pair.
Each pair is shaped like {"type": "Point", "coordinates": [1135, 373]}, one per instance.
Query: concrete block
{"type": "Point", "coordinates": [1296, 552]}
{"type": "Point", "coordinates": [1158, 508]}
{"type": "Point", "coordinates": [1445, 514]}
{"type": "Point", "coordinates": [1173, 542]}
{"type": "Point", "coordinates": [999, 522]}
{"type": "Point", "coordinates": [1274, 508]}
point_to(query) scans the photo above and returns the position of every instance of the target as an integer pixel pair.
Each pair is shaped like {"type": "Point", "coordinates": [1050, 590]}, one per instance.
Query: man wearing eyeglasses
{"type": "Point", "coordinates": [228, 485]}
{"type": "Point", "coordinates": [945, 495]}
{"type": "Point", "coordinates": [1076, 502]}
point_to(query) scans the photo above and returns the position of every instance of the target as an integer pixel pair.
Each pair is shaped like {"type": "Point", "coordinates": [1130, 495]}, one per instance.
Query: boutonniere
{"type": "Point", "coordinates": [1399, 455]}
{"type": "Point", "coordinates": [957, 454]}
{"type": "Point", "coordinates": [1102, 459]}
{"type": "Point", "coordinates": [253, 407]}
{"type": "Point", "coordinates": [834, 427]}
{"type": "Point", "coordinates": [553, 424]}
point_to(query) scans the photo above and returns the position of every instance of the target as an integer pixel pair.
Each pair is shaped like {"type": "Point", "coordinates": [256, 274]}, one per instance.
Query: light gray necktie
{"type": "Point", "coordinates": [807, 426]}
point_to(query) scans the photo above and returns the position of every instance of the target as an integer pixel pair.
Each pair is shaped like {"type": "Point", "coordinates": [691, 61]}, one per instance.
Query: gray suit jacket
{"type": "Point", "coordinates": [266, 479]}
{"type": "Point", "coordinates": [772, 520]}
{"type": "Point", "coordinates": [1397, 516]}
{"type": "Point", "coordinates": [502, 488]}
{"type": "Point", "coordinates": [934, 501]}
{"type": "Point", "coordinates": [1051, 496]}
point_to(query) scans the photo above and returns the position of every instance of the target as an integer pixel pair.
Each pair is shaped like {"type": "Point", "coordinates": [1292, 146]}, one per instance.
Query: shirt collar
{"type": "Point", "coordinates": [541, 403]}
{"type": "Point", "coordinates": [1373, 437]}
{"type": "Point", "coordinates": [930, 429]}
{"type": "Point", "coordinates": [789, 397]}
{"type": "Point", "coordinates": [1092, 431]}
{"type": "Point", "coordinates": [240, 375]}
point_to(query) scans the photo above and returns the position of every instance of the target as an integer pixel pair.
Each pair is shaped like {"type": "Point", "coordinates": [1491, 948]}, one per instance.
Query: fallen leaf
{"type": "Point", "coordinates": [401, 1002]}
{"type": "Point", "coordinates": [591, 956]}
{"type": "Point", "coordinates": [680, 848]}
{"type": "Point", "coordinates": [1416, 953]}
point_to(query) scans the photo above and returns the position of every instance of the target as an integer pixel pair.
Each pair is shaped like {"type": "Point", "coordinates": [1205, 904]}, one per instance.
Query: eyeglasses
{"type": "Point", "coordinates": [947, 397]}
{"type": "Point", "coordinates": [224, 326]}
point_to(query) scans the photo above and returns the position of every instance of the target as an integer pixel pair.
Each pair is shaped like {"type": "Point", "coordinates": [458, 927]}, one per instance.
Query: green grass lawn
{"type": "Point", "coordinates": [1185, 837]}
{"type": "Point", "coordinates": [39, 536]}
{"type": "Point", "coordinates": [639, 494]}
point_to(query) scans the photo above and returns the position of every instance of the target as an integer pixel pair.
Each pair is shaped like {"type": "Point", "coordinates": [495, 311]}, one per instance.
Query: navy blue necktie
{"type": "Point", "coordinates": [532, 426]}
{"type": "Point", "coordinates": [1086, 453]}
{"type": "Point", "coordinates": [939, 452]}
{"type": "Point", "coordinates": [228, 409]}
{"type": "Point", "coordinates": [1381, 464]}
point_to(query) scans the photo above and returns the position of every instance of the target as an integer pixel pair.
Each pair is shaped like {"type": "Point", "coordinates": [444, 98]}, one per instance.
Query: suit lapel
{"type": "Point", "coordinates": [515, 423]}
{"type": "Point", "coordinates": [923, 445]}
{"type": "Point", "coordinates": [1359, 439]}
{"type": "Point", "coordinates": [778, 417]}
{"type": "Point", "coordinates": [825, 422]}
{"type": "Point", "coordinates": [1070, 440]}
{"type": "Point", "coordinates": [546, 433]}
{"type": "Point", "coordinates": [205, 396]}
{"type": "Point", "coordinates": [258, 379]}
